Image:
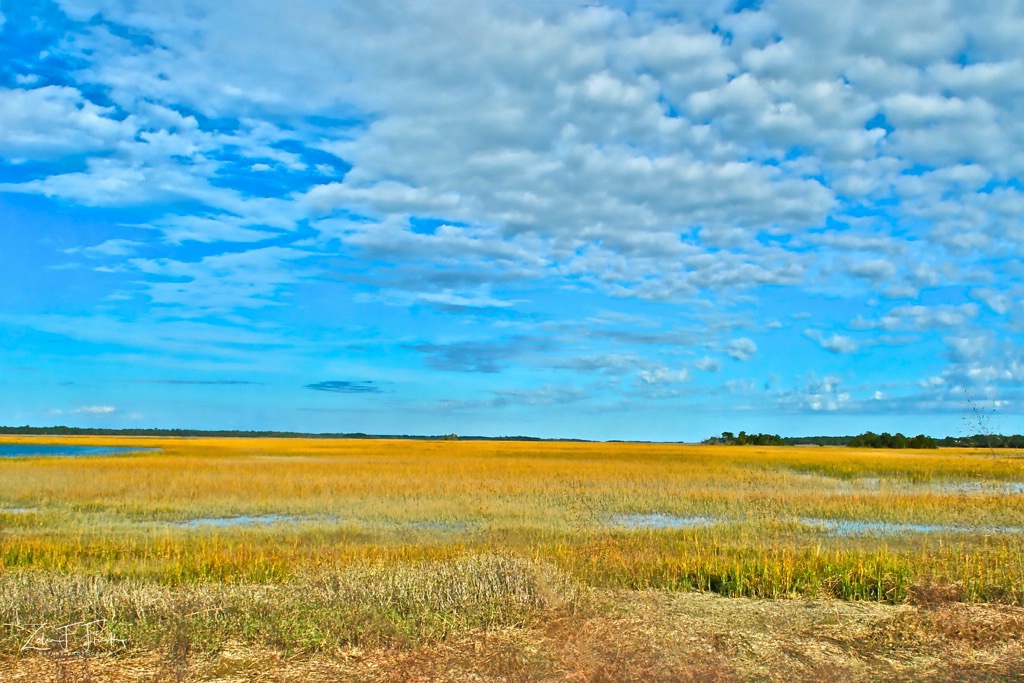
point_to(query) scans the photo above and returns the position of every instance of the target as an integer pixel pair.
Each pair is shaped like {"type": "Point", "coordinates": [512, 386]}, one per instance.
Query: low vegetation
{"type": "Point", "coordinates": [541, 560]}
{"type": "Point", "coordinates": [887, 440]}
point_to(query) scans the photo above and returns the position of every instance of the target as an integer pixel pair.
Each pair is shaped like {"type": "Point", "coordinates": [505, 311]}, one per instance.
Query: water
{"type": "Point", "coordinates": [266, 520]}
{"type": "Point", "coordinates": [1006, 488]}
{"type": "Point", "coordinates": [861, 485]}
{"type": "Point", "coordinates": [853, 527]}
{"type": "Point", "coordinates": [241, 520]}
{"type": "Point", "coordinates": [438, 525]}
{"type": "Point", "coordinates": [659, 520]}
{"type": "Point", "coordinates": [25, 450]}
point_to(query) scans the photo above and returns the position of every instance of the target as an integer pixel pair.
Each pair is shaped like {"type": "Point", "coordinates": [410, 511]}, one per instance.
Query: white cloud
{"type": "Point", "coordinates": [875, 270]}
{"type": "Point", "coordinates": [445, 299]}
{"type": "Point", "coordinates": [824, 394]}
{"type": "Point", "coordinates": [662, 376]}
{"type": "Point", "coordinates": [998, 302]}
{"type": "Point", "coordinates": [95, 410]}
{"type": "Point", "coordinates": [222, 282]}
{"type": "Point", "coordinates": [863, 151]}
{"type": "Point", "coordinates": [598, 135]}
{"type": "Point", "coordinates": [55, 121]}
{"type": "Point", "coordinates": [968, 348]}
{"type": "Point", "coordinates": [981, 365]}
{"type": "Point", "coordinates": [708, 364]}
{"type": "Point", "coordinates": [113, 247]}
{"type": "Point", "coordinates": [610, 363]}
{"type": "Point", "coordinates": [835, 343]}
{"type": "Point", "coordinates": [535, 154]}
{"type": "Point", "coordinates": [928, 317]}
{"type": "Point", "coordinates": [741, 349]}
{"type": "Point", "coordinates": [848, 241]}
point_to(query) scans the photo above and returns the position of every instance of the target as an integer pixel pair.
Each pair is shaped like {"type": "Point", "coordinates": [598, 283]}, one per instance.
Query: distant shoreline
{"type": "Point", "coordinates": [994, 441]}
{"type": "Point", "coordinates": [236, 433]}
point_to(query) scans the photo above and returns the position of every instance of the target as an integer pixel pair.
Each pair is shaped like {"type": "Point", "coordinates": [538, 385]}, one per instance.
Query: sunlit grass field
{"type": "Point", "coordinates": [751, 521]}
{"type": "Point", "coordinates": [309, 545]}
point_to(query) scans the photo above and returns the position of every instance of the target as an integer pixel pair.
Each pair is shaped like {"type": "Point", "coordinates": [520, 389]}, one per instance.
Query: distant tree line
{"type": "Point", "coordinates": [817, 440]}
{"type": "Point", "coordinates": [887, 440]}
{"type": "Point", "coordinates": [744, 439]}
{"type": "Point", "coordinates": [871, 440]}
{"type": "Point", "coordinates": [984, 441]}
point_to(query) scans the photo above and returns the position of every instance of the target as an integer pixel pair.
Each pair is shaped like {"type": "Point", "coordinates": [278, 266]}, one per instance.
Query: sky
{"type": "Point", "coordinates": [643, 220]}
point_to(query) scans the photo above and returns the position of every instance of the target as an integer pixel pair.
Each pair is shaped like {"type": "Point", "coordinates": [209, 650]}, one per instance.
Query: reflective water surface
{"type": "Point", "coordinates": [26, 450]}
{"type": "Point", "coordinates": [659, 520]}
{"type": "Point", "coordinates": [854, 527]}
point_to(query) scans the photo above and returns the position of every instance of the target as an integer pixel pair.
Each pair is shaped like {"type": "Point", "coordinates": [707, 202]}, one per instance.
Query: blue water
{"type": "Point", "coordinates": [241, 520]}
{"type": "Point", "coordinates": [1006, 488]}
{"type": "Point", "coordinates": [660, 520]}
{"type": "Point", "coordinates": [265, 520]}
{"type": "Point", "coordinates": [27, 450]}
{"type": "Point", "coordinates": [852, 527]}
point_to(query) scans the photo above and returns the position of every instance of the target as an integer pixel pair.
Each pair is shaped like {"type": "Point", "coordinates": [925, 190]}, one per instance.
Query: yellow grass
{"type": "Point", "coordinates": [353, 501]}
{"type": "Point", "coordinates": [409, 544]}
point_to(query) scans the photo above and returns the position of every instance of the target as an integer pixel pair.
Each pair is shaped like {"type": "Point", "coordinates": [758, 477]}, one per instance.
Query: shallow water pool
{"type": "Point", "coordinates": [241, 520]}
{"type": "Point", "coordinates": [659, 520]}
{"type": "Point", "coordinates": [853, 527]}
{"type": "Point", "coordinates": [26, 450]}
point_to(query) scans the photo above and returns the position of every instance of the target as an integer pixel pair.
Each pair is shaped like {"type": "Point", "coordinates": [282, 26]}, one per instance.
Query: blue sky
{"type": "Point", "coordinates": [633, 220]}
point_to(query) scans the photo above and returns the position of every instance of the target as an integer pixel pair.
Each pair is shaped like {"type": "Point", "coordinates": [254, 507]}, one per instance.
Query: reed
{"type": "Point", "coordinates": [335, 505]}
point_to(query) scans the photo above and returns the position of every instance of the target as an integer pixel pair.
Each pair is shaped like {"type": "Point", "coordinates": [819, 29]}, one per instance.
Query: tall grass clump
{"type": "Point", "coordinates": [368, 604]}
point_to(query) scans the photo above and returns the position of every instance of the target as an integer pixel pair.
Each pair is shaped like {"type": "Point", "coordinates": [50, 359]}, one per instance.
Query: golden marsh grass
{"type": "Point", "coordinates": [760, 515]}
{"type": "Point", "coordinates": [308, 545]}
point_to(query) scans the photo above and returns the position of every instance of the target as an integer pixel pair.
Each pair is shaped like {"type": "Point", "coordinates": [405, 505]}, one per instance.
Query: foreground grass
{"type": "Point", "coordinates": [505, 561]}
{"type": "Point", "coordinates": [525, 624]}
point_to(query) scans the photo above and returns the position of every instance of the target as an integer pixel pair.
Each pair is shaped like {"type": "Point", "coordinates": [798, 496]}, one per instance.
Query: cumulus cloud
{"type": "Point", "coordinates": [835, 343]}
{"type": "Point", "coordinates": [741, 349]}
{"type": "Point", "coordinates": [56, 121]}
{"type": "Point", "coordinates": [824, 394]}
{"type": "Point", "coordinates": [998, 302]}
{"type": "Point", "coordinates": [875, 270]}
{"type": "Point", "coordinates": [597, 133]}
{"type": "Point", "coordinates": [708, 364]}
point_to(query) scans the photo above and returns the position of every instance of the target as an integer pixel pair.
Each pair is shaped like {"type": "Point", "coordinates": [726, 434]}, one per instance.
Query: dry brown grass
{"type": "Point", "coordinates": [622, 636]}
